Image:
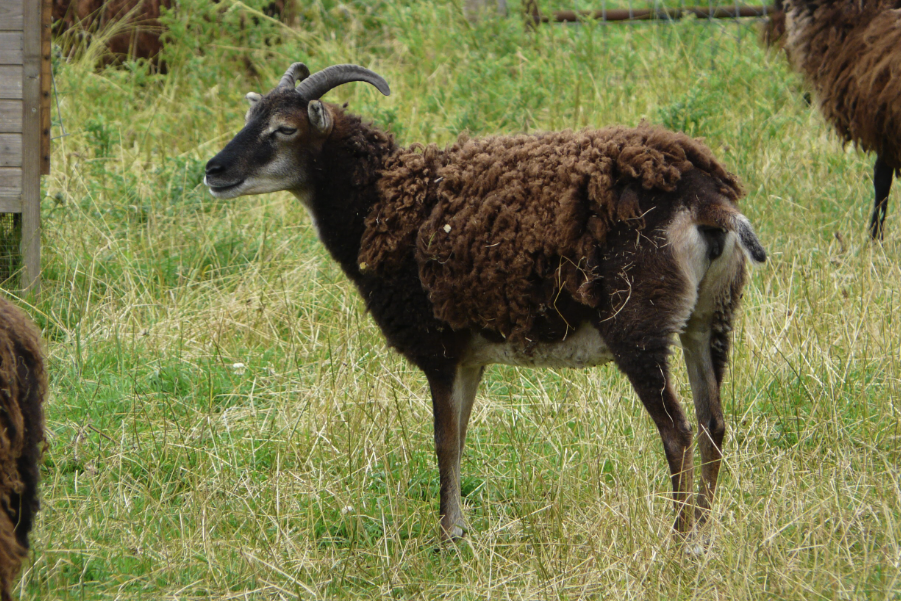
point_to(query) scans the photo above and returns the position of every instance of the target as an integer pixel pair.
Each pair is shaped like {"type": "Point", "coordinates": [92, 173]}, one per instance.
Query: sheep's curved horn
{"type": "Point", "coordinates": [321, 82]}
{"type": "Point", "coordinates": [296, 72]}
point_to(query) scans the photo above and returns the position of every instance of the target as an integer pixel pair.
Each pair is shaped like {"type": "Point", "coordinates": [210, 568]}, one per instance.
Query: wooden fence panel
{"type": "Point", "coordinates": [11, 47]}
{"type": "Point", "coordinates": [11, 15]}
{"type": "Point", "coordinates": [10, 181]}
{"type": "Point", "coordinates": [10, 150]}
{"type": "Point", "coordinates": [25, 122]}
{"type": "Point", "coordinates": [10, 116]}
{"type": "Point", "coordinates": [11, 82]}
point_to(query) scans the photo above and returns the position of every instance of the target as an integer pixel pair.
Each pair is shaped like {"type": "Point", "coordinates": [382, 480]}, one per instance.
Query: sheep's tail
{"type": "Point", "coordinates": [724, 216]}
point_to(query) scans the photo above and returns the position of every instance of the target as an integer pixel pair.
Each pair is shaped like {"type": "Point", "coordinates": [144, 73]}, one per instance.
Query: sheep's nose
{"type": "Point", "coordinates": [214, 167]}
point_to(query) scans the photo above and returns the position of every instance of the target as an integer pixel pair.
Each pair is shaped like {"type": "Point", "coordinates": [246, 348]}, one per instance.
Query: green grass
{"type": "Point", "coordinates": [173, 473]}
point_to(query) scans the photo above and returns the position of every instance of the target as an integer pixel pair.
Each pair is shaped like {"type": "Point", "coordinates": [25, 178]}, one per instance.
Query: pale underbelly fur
{"type": "Point", "coordinates": [582, 348]}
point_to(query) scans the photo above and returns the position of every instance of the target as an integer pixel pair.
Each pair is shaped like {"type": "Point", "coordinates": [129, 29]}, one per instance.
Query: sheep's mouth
{"type": "Point", "coordinates": [223, 190]}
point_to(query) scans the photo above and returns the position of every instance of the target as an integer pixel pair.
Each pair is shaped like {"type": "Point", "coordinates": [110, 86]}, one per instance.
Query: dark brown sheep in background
{"type": "Point", "coordinates": [774, 27]}
{"type": "Point", "coordinates": [849, 51]}
{"type": "Point", "coordinates": [565, 249]}
{"type": "Point", "coordinates": [23, 386]}
{"type": "Point", "coordinates": [138, 21]}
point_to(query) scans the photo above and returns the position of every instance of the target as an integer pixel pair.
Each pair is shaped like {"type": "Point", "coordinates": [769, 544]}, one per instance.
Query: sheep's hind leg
{"type": "Point", "coordinates": [705, 345]}
{"type": "Point", "coordinates": [452, 398]}
{"type": "Point", "coordinates": [705, 389]}
{"type": "Point", "coordinates": [882, 185]}
{"type": "Point", "coordinates": [648, 371]}
{"type": "Point", "coordinates": [468, 378]}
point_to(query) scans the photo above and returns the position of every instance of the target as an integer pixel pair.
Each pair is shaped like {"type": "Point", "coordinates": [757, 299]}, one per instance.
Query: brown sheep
{"type": "Point", "coordinates": [23, 386]}
{"type": "Point", "coordinates": [849, 51]}
{"type": "Point", "coordinates": [773, 28]}
{"type": "Point", "coordinates": [138, 24]}
{"type": "Point", "coordinates": [565, 249]}
{"type": "Point", "coordinates": [141, 33]}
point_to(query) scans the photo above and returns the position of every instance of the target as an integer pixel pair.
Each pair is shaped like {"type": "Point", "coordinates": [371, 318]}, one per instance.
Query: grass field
{"type": "Point", "coordinates": [225, 421]}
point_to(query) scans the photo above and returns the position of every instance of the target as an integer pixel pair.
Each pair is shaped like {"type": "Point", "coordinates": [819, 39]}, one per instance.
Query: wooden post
{"type": "Point", "coordinates": [46, 79]}
{"type": "Point", "coordinates": [31, 145]}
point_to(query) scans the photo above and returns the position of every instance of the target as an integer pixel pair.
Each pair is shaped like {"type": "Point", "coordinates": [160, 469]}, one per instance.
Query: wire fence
{"type": "Point", "coordinates": [713, 13]}
{"type": "Point", "coordinates": [10, 252]}
{"type": "Point", "coordinates": [658, 11]}
{"type": "Point", "coordinates": [664, 10]}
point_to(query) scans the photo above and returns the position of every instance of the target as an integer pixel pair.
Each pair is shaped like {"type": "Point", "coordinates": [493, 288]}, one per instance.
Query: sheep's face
{"type": "Point", "coordinates": [281, 134]}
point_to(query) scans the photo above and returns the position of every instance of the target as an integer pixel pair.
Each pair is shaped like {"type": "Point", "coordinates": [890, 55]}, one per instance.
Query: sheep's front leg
{"type": "Point", "coordinates": [882, 185]}
{"type": "Point", "coordinates": [452, 397]}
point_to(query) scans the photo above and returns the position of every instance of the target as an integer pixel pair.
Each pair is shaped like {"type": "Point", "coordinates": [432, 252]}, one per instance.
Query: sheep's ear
{"type": "Point", "coordinates": [320, 119]}
{"type": "Point", "coordinates": [252, 98]}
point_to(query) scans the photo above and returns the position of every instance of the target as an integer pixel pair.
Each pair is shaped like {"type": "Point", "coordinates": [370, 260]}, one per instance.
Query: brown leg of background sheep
{"type": "Point", "coordinates": [705, 389]}
{"type": "Point", "coordinates": [882, 184]}
{"type": "Point", "coordinates": [452, 398]}
{"type": "Point", "coordinates": [649, 374]}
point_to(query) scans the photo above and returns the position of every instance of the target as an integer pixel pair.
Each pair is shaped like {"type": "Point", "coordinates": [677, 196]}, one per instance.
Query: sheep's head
{"type": "Point", "coordinates": [283, 131]}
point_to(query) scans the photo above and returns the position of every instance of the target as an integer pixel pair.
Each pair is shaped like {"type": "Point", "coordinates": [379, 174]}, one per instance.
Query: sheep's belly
{"type": "Point", "coordinates": [583, 348]}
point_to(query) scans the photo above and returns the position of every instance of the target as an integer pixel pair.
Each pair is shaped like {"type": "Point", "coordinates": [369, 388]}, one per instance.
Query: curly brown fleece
{"type": "Point", "coordinates": [501, 225]}
{"type": "Point", "coordinates": [23, 386]}
{"type": "Point", "coordinates": [850, 52]}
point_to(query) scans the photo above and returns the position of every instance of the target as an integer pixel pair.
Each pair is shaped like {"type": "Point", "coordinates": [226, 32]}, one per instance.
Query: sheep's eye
{"type": "Point", "coordinates": [286, 131]}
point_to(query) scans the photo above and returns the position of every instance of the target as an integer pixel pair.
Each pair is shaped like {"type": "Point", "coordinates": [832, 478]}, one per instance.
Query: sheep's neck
{"type": "Point", "coordinates": [344, 188]}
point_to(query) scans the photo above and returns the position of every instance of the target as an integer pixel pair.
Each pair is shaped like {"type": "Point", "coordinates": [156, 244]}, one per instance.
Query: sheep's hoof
{"type": "Point", "coordinates": [695, 549]}
{"type": "Point", "coordinates": [453, 534]}
{"type": "Point", "coordinates": [698, 544]}
{"type": "Point", "coordinates": [698, 541]}
{"type": "Point", "coordinates": [450, 539]}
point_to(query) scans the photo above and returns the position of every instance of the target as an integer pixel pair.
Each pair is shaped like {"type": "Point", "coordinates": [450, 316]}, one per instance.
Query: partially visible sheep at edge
{"type": "Point", "coordinates": [135, 24]}
{"type": "Point", "coordinates": [773, 29]}
{"type": "Point", "coordinates": [849, 51]}
{"type": "Point", "coordinates": [564, 249]}
{"type": "Point", "coordinates": [134, 27]}
{"type": "Point", "coordinates": [23, 387]}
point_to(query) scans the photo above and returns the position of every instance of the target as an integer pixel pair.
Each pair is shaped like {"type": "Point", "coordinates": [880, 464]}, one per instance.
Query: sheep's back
{"type": "Point", "coordinates": [850, 53]}
{"type": "Point", "coordinates": [500, 226]}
